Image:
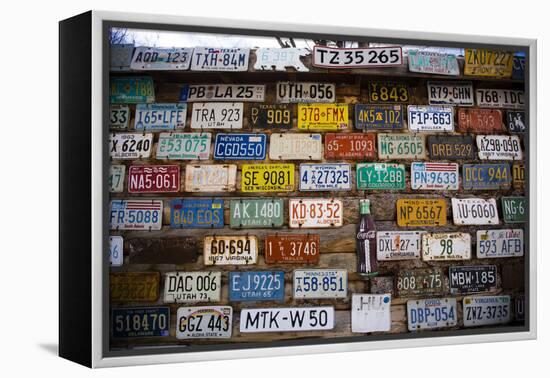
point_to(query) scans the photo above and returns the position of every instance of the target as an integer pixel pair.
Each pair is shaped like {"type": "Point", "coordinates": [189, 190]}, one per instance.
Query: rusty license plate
{"type": "Point", "coordinates": [353, 146]}
{"type": "Point", "coordinates": [425, 281]}
{"type": "Point", "coordinates": [134, 286]}
{"type": "Point", "coordinates": [479, 120]}
{"type": "Point", "coordinates": [292, 248]}
{"type": "Point", "coordinates": [451, 147]}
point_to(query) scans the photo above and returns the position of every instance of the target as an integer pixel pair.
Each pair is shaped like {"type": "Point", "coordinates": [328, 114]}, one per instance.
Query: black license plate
{"type": "Point", "coordinates": [472, 279]}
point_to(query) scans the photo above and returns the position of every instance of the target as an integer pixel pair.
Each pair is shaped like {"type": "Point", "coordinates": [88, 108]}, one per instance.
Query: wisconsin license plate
{"type": "Point", "coordinates": [116, 250]}
{"type": "Point", "coordinates": [292, 92]}
{"type": "Point", "coordinates": [401, 146]}
{"type": "Point", "coordinates": [499, 147]}
{"type": "Point", "coordinates": [222, 92]}
{"type": "Point", "coordinates": [499, 243]}
{"type": "Point", "coordinates": [256, 286]}
{"type": "Point", "coordinates": [515, 121]}
{"type": "Point", "coordinates": [431, 313]}
{"type": "Point", "coordinates": [370, 313]}
{"type": "Point", "coordinates": [492, 63]}
{"type": "Point", "coordinates": [385, 176]}
{"type": "Point", "coordinates": [474, 211]}
{"type": "Point", "coordinates": [323, 117]}
{"type": "Point", "coordinates": [378, 117]}
{"type": "Point", "coordinates": [433, 63]}
{"type": "Point", "coordinates": [240, 147]}
{"type": "Point", "coordinates": [160, 116]}
{"type": "Point", "coordinates": [134, 286]}
{"type": "Point", "coordinates": [434, 176]}
{"type": "Point", "coordinates": [196, 213]}
{"type": "Point", "coordinates": [184, 146]}
{"type": "Point", "coordinates": [256, 213]}
{"type": "Point", "coordinates": [292, 248]}
{"type": "Point", "coordinates": [136, 214]}
{"type": "Point", "coordinates": [204, 322]}
{"type": "Point", "coordinates": [334, 57]}
{"type": "Point", "coordinates": [446, 246]}
{"type": "Point", "coordinates": [451, 93]}
{"type": "Point", "coordinates": [315, 213]}
{"type": "Point", "coordinates": [267, 178]}
{"type": "Point", "coordinates": [452, 147]}
{"type": "Point", "coordinates": [479, 120]}
{"type": "Point", "coordinates": [289, 319]}
{"type": "Point", "coordinates": [132, 90]}
{"type": "Point", "coordinates": [500, 98]}
{"type": "Point", "coordinates": [217, 115]}
{"type": "Point", "coordinates": [352, 146]}
{"type": "Point", "coordinates": [398, 245]}
{"type": "Point", "coordinates": [116, 178]}
{"type": "Point", "coordinates": [130, 146]}
{"type": "Point", "coordinates": [486, 310]}
{"type": "Point", "coordinates": [424, 281]}
{"type": "Point", "coordinates": [210, 178]}
{"type": "Point", "coordinates": [295, 147]}
{"type": "Point", "coordinates": [119, 117]}
{"type": "Point", "coordinates": [430, 118]}
{"type": "Point", "coordinates": [154, 179]}
{"type": "Point", "coordinates": [153, 58]}
{"type": "Point", "coordinates": [486, 176]}
{"type": "Point", "coordinates": [325, 177]}
{"type": "Point", "coordinates": [230, 250]}
{"type": "Point", "coordinates": [220, 59]}
{"type": "Point", "coordinates": [271, 116]}
{"type": "Point", "coordinates": [189, 287]}
{"type": "Point", "coordinates": [388, 91]}
{"type": "Point", "coordinates": [514, 209]}
{"type": "Point", "coordinates": [472, 279]}
{"type": "Point", "coordinates": [421, 212]}
{"type": "Point", "coordinates": [140, 322]}
{"type": "Point", "coordinates": [320, 283]}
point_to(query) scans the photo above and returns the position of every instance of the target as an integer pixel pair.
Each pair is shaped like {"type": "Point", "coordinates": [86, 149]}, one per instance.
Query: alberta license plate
{"type": "Point", "coordinates": [292, 92]}
{"type": "Point", "coordinates": [222, 92]}
{"type": "Point", "coordinates": [334, 57]}
{"type": "Point", "coordinates": [446, 246]}
{"type": "Point", "coordinates": [434, 176]}
{"type": "Point", "coordinates": [295, 147]}
{"type": "Point", "coordinates": [499, 147]}
{"type": "Point", "coordinates": [479, 120]}
{"type": "Point", "coordinates": [388, 92]}
{"type": "Point", "coordinates": [451, 147]}
{"type": "Point", "coordinates": [472, 279]}
{"type": "Point", "coordinates": [130, 145]}
{"type": "Point", "coordinates": [116, 178]}
{"type": "Point", "coordinates": [204, 322]}
{"type": "Point", "coordinates": [323, 117]}
{"type": "Point", "coordinates": [514, 209]}
{"type": "Point", "coordinates": [431, 313]}
{"type": "Point", "coordinates": [190, 287]}
{"type": "Point", "coordinates": [474, 211]}
{"type": "Point", "coordinates": [398, 245]}
{"type": "Point", "coordinates": [240, 147]}
{"type": "Point", "coordinates": [136, 214]}
{"type": "Point", "coordinates": [352, 146]}
{"type": "Point", "coordinates": [119, 117]}
{"type": "Point", "coordinates": [325, 177]}
{"type": "Point", "coordinates": [401, 146]}
{"type": "Point", "coordinates": [230, 250]}
{"type": "Point", "coordinates": [380, 176]}
{"type": "Point", "coordinates": [421, 212]}
{"type": "Point", "coordinates": [267, 178]}
{"type": "Point", "coordinates": [433, 63]}
{"type": "Point", "coordinates": [116, 250]}
{"type": "Point", "coordinates": [289, 319]}
{"type": "Point", "coordinates": [451, 93]}
{"type": "Point", "coordinates": [515, 121]}
{"type": "Point", "coordinates": [378, 117]}
{"type": "Point", "coordinates": [154, 179]}
{"type": "Point", "coordinates": [315, 213]}
{"type": "Point", "coordinates": [486, 310]}
{"type": "Point", "coordinates": [160, 116]}
{"type": "Point", "coordinates": [292, 248]}
{"type": "Point", "coordinates": [486, 176]}
{"type": "Point", "coordinates": [210, 178]}
{"type": "Point", "coordinates": [140, 322]}
{"type": "Point", "coordinates": [184, 146]}
{"type": "Point", "coordinates": [217, 115]}
{"type": "Point", "coordinates": [256, 286]}
{"type": "Point", "coordinates": [492, 63]}
{"type": "Point", "coordinates": [320, 283]}
{"type": "Point", "coordinates": [271, 116]}
{"type": "Point", "coordinates": [256, 213]}
{"type": "Point", "coordinates": [134, 286]}
{"type": "Point", "coordinates": [499, 243]}
{"type": "Point", "coordinates": [132, 90]}
{"type": "Point", "coordinates": [430, 118]}
{"type": "Point", "coordinates": [220, 59]}
{"type": "Point", "coordinates": [153, 58]}
{"type": "Point", "coordinates": [370, 313]}
{"type": "Point", "coordinates": [196, 213]}
{"type": "Point", "coordinates": [500, 98]}
{"type": "Point", "coordinates": [423, 281]}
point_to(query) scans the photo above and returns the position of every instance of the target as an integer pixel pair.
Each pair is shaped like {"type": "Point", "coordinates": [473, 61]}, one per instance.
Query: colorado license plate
{"type": "Point", "coordinates": [141, 322]}
{"type": "Point", "coordinates": [292, 92]}
{"type": "Point", "coordinates": [514, 209]}
{"type": "Point", "coordinates": [136, 214]}
{"type": "Point", "coordinates": [315, 213]}
{"type": "Point", "coordinates": [474, 211]}
{"type": "Point", "coordinates": [217, 115]}
{"type": "Point", "coordinates": [204, 322]}
{"type": "Point", "coordinates": [119, 117]}
{"type": "Point", "coordinates": [325, 177]}
{"type": "Point", "coordinates": [499, 243]}
{"type": "Point", "coordinates": [154, 179]}
{"type": "Point", "coordinates": [486, 310]}
{"type": "Point", "coordinates": [486, 176]}
{"type": "Point", "coordinates": [160, 116]}
{"type": "Point", "coordinates": [451, 93]}
{"type": "Point", "coordinates": [499, 147]}
{"type": "Point", "coordinates": [479, 120]}
{"type": "Point", "coordinates": [256, 213]}
{"type": "Point", "coordinates": [267, 178]}
{"type": "Point", "coordinates": [134, 286]}
{"type": "Point", "coordinates": [130, 145]}
{"type": "Point", "coordinates": [334, 57]}
{"type": "Point", "coordinates": [132, 90]}
{"type": "Point", "coordinates": [398, 245]}
{"type": "Point", "coordinates": [271, 116]}
{"type": "Point", "coordinates": [210, 178]}
{"type": "Point", "coordinates": [323, 117]}
{"type": "Point", "coordinates": [401, 146]}
{"type": "Point", "coordinates": [292, 248]}
{"type": "Point", "coordinates": [431, 313]}
{"type": "Point", "coordinates": [222, 92]}
{"type": "Point", "coordinates": [184, 146]}
{"type": "Point", "coordinates": [430, 118]}
{"type": "Point", "coordinates": [446, 246]}
{"type": "Point", "coordinates": [386, 176]}
{"type": "Point", "coordinates": [230, 250]}
{"type": "Point", "coordinates": [434, 176]}
{"type": "Point", "coordinates": [433, 63]}
{"type": "Point", "coordinates": [116, 250]}
{"type": "Point", "coordinates": [153, 58]}
{"type": "Point", "coordinates": [240, 147]}
{"type": "Point", "coordinates": [388, 92]}
{"type": "Point", "coordinates": [295, 147]}
{"type": "Point", "coordinates": [220, 59]}
{"type": "Point", "coordinates": [289, 319]}
{"type": "Point", "coordinates": [472, 279]}
{"type": "Point", "coordinates": [370, 313]}
{"type": "Point", "coordinates": [451, 147]}
{"type": "Point", "coordinates": [196, 213]}
{"type": "Point", "coordinates": [189, 287]}
{"type": "Point", "coordinates": [256, 286]}
{"type": "Point", "coordinates": [515, 121]}
{"type": "Point", "coordinates": [424, 281]}
{"type": "Point", "coordinates": [352, 146]}
{"type": "Point", "coordinates": [378, 117]}
{"type": "Point", "coordinates": [116, 178]}
{"type": "Point", "coordinates": [320, 283]}
{"type": "Point", "coordinates": [421, 212]}
{"type": "Point", "coordinates": [500, 98]}
{"type": "Point", "coordinates": [483, 62]}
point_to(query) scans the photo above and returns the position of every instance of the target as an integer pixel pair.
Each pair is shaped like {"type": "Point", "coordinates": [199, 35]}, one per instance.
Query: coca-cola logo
{"type": "Point", "coordinates": [366, 235]}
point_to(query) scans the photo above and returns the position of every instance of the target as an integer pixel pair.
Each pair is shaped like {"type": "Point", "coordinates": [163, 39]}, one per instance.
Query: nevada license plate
{"type": "Point", "coordinates": [514, 209]}
{"type": "Point", "coordinates": [451, 93]}
{"type": "Point", "coordinates": [222, 92]}
{"type": "Point", "coordinates": [220, 59]}
{"type": "Point", "coordinates": [184, 146]}
{"type": "Point", "coordinates": [474, 211]}
{"type": "Point", "coordinates": [256, 213]}
{"type": "Point", "coordinates": [378, 117]}
{"type": "Point", "coordinates": [295, 147]}
{"type": "Point", "coordinates": [119, 117]}
{"type": "Point", "coordinates": [292, 248]}
{"type": "Point", "coordinates": [386, 176]}
{"type": "Point", "coordinates": [271, 116]}
{"type": "Point", "coordinates": [217, 115]}
{"type": "Point", "coordinates": [320, 283]}
{"type": "Point", "coordinates": [486, 176]}
{"type": "Point", "coordinates": [401, 146]}
{"type": "Point", "coordinates": [292, 92]}
{"type": "Point", "coordinates": [240, 147]}
{"type": "Point", "coordinates": [499, 243]}
{"type": "Point", "coordinates": [116, 250]}
{"type": "Point", "coordinates": [446, 246]}
{"type": "Point", "coordinates": [315, 213]}
{"type": "Point", "coordinates": [472, 279]}
{"type": "Point", "coordinates": [134, 286]}
{"type": "Point", "coordinates": [430, 118]}
{"type": "Point", "coordinates": [431, 313]}
{"type": "Point", "coordinates": [189, 287]}
{"type": "Point", "coordinates": [289, 319]}
{"type": "Point", "coordinates": [256, 286]}
{"type": "Point", "coordinates": [434, 176]}
{"type": "Point", "coordinates": [196, 213]}
{"type": "Point", "coordinates": [424, 281]}
{"type": "Point", "coordinates": [323, 117]}
{"type": "Point", "coordinates": [353, 146]}
{"type": "Point", "coordinates": [515, 121]}
{"type": "Point", "coordinates": [130, 145]}
{"type": "Point", "coordinates": [421, 212]}
{"type": "Point", "coordinates": [153, 58]}
{"type": "Point", "coordinates": [154, 179]}
{"type": "Point", "coordinates": [479, 120]}
{"type": "Point", "coordinates": [486, 310]}
{"type": "Point", "coordinates": [204, 322]}
{"type": "Point", "coordinates": [267, 178]}
{"type": "Point", "coordinates": [160, 116]}
{"type": "Point", "coordinates": [433, 63]}
{"type": "Point", "coordinates": [483, 62]}
{"type": "Point", "coordinates": [388, 91]}
{"type": "Point", "coordinates": [136, 214]}
{"type": "Point", "coordinates": [398, 245]}
{"type": "Point", "coordinates": [140, 322]}
{"type": "Point", "coordinates": [210, 178]}
{"type": "Point", "coordinates": [455, 147]}
{"type": "Point", "coordinates": [370, 313]}
{"type": "Point", "coordinates": [116, 178]}
{"type": "Point", "coordinates": [230, 250]}
{"type": "Point", "coordinates": [132, 90]}
{"type": "Point", "coordinates": [499, 147]}
{"type": "Point", "coordinates": [500, 98]}
{"type": "Point", "coordinates": [334, 57]}
{"type": "Point", "coordinates": [324, 177]}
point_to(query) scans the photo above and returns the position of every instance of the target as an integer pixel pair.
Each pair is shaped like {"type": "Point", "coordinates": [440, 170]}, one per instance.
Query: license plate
{"type": "Point", "coordinates": [178, 250]}
{"type": "Point", "coordinates": [292, 92]}
{"type": "Point", "coordinates": [472, 279]}
{"type": "Point", "coordinates": [141, 322]}
{"type": "Point", "coordinates": [431, 313]}
{"type": "Point", "coordinates": [514, 209]}
{"type": "Point", "coordinates": [323, 117]}
{"type": "Point", "coordinates": [230, 250]}
{"type": "Point", "coordinates": [500, 98]}
{"type": "Point", "coordinates": [451, 93]}
{"type": "Point", "coordinates": [116, 178]}
{"type": "Point", "coordinates": [352, 146]}
{"type": "Point", "coordinates": [434, 176]}
{"type": "Point", "coordinates": [116, 250]}
{"type": "Point", "coordinates": [370, 313]}
{"type": "Point", "coordinates": [518, 176]}
{"type": "Point", "coordinates": [220, 59]}
{"type": "Point", "coordinates": [448, 246]}
{"type": "Point", "coordinates": [267, 178]}
{"type": "Point", "coordinates": [292, 248]}
{"type": "Point", "coordinates": [222, 92]}
{"type": "Point", "coordinates": [189, 287]}
{"type": "Point", "coordinates": [154, 179]}
{"type": "Point", "coordinates": [421, 212]}
{"type": "Point", "coordinates": [499, 147]}
{"type": "Point", "coordinates": [333, 57]}
{"type": "Point", "coordinates": [491, 63]}
{"type": "Point", "coordinates": [134, 286]}
{"type": "Point", "coordinates": [132, 90]}
{"type": "Point", "coordinates": [152, 117]}
{"type": "Point", "coordinates": [382, 285]}
{"type": "Point", "coordinates": [401, 146]}
{"type": "Point", "coordinates": [519, 308]}
{"type": "Point", "coordinates": [315, 213]}
{"type": "Point", "coordinates": [288, 319]}
{"type": "Point", "coordinates": [388, 91]}
{"type": "Point", "coordinates": [121, 56]}
{"type": "Point", "coordinates": [295, 147]}
{"type": "Point", "coordinates": [153, 58]}
{"type": "Point", "coordinates": [119, 117]}
{"type": "Point", "coordinates": [240, 147]}
{"type": "Point", "coordinates": [455, 147]}
{"type": "Point", "coordinates": [256, 213]}
{"type": "Point", "coordinates": [320, 283]}
{"type": "Point", "coordinates": [378, 117]}
{"type": "Point", "coordinates": [136, 214]}
{"type": "Point", "coordinates": [271, 116]}
{"type": "Point", "coordinates": [486, 176]}
{"type": "Point", "coordinates": [196, 213]}
{"type": "Point", "coordinates": [184, 146]}
{"type": "Point", "coordinates": [256, 286]}
{"type": "Point", "coordinates": [486, 310]}
{"type": "Point", "coordinates": [474, 211]}
{"type": "Point", "coordinates": [433, 63]}
{"type": "Point", "coordinates": [518, 68]}
{"type": "Point", "coordinates": [325, 177]}
{"type": "Point", "coordinates": [130, 146]}
{"type": "Point", "coordinates": [424, 281]}
{"type": "Point", "coordinates": [479, 120]}
{"type": "Point", "coordinates": [217, 115]}
{"type": "Point", "coordinates": [204, 322]}
{"type": "Point", "coordinates": [268, 59]}
{"type": "Point", "coordinates": [499, 243]}
{"type": "Point", "coordinates": [210, 178]}
{"type": "Point", "coordinates": [398, 245]}
{"type": "Point", "coordinates": [430, 118]}
{"type": "Point", "coordinates": [515, 121]}
{"type": "Point", "coordinates": [386, 176]}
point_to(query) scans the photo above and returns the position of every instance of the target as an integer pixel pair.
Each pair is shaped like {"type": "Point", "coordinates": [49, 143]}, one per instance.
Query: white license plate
{"type": "Point", "coordinates": [499, 147]}
{"type": "Point", "coordinates": [401, 146]}
{"type": "Point", "coordinates": [204, 322]}
{"type": "Point", "coordinates": [130, 145]}
{"type": "Point", "coordinates": [334, 57]}
{"type": "Point", "coordinates": [210, 178]}
{"type": "Point", "coordinates": [230, 250]}
{"type": "Point", "coordinates": [486, 310]}
{"type": "Point", "coordinates": [291, 92]}
{"type": "Point", "coordinates": [370, 313]}
{"type": "Point", "coordinates": [188, 287]}
{"type": "Point", "coordinates": [474, 211]}
{"type": "Point", "coordinates": [223, 92]}
{"type": "Point", "coordinates": [500, 98]}
{"type": "Point", "coordinates": [434, 176]}
{"type": "Point", "coordinates": [431, 313]}
{"type": "Point", "coordinates": [451, 93]}
{"type": "Point", "coordinates": [119, 117]}
{"type": "Point", "coordinates": [315, 213]}
{"type": "Point", "coordinates": [320, 283]}
{"type": "Point", "coordinates": [287, 319]}
{"type": "Point", "coordinates": [268, 59]}
{"type": "Point", "coordinates": [446, 246]}
{"type": "Point", "coordinates": [217, 115]}
{"type": "Point", "coordinates": [136, 215]}
{"type": "Point", "coordinates": [320, 177]}
{"type": "Point", "coordinates": [160, 116]}
{"type": "Point", "coordinates": [499, 243]}
{"type": "Point", "coordinates": [433, 63]}
{"type": "Point", "coordinates": [184, 146]}
{"type": "Point", "coordinates": [116, 178]}
{"type": "Point", "coordinates": [295, 147]}
{"type": "Point", "coordinates": [430, 118]}
{"type": "Point", "coordinates": [398, 245]}
{"type": "Point", "coordinates": [116, 249]}
{"type": "Point", "coordinates": [153, 58]}
{"type": "Point", "coordinates": [219, 59]}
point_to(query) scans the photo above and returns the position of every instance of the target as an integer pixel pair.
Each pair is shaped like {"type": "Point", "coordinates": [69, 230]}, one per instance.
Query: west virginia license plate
{"type": "Point", "coordinates": [189, 287]}
{"type": "Point", "coordinates": [134, 286]}
{"type": "Point", "coordinates": [136, 214]}
{"type": "Point", "coordinates": [292, 92]}
{"type": "Point", "coordinates": [514, 209]}
{"type": "Point", "coordinates": [320, 283]}
{"type": "Point", "coordinates": [240, 147]}
{"type": "Point", "coordinates": [160, 116]}
{"type": "Point", "coordinates": [204, 322]}
{"type": "Point", "coordinates": [210, 178]}
{"type": "Point", "coordinates": [431, 313]}
{"type": "Point", "coordinates": [499, 243]}
{"type": "Point", "coordinates": [430, 118]}
{"type": "Point", "coordinates": [230, 250]}
{"type": "Point", "coordinates": [486, 176]}
{"type": "Point", "coordinates": [398, 245]}
{"type": "Point", "coordinates": [256, 213]}
{"type": "Point", "coordinates": [421, 212]}
{"type": "Point", "coordinates": [492, 63]}
{"type": "Point", "coordinates": [196, 213]}
{"type": "Point", "coordinates": [154, 58]}
{"type": "Point", "coordinates": [295, 147]}
{"type": "Point", "coordinates": [474, 211]}
{"type": "Point", "coordinates": [256, 286]}
{"type": "Point", "coordinates": [388, 92]}
{"type": "Point", "coordinates": [424, 281]}
{"type": "Point", "coordinates": [271, 116]}
{"type": "Point", "coordinates": [479, 120]}
{"type": "Point", "coordinates": [184, 146]}
{"type": "Point", "coordinates": [315, 213]}
{"type": "Point", "coordinates": [486, 310]}
{"type": "Point", "coordinates": [132, 90]}
{"type": "Point", "coordinates": [292, 248]}
{"type": "Point", "coordinates": [140, 322]}
{"type": "Point", "coordinates": [381, 176]}
{"type": "Point", "coordinates": [334, 57]}
{"type": "Point", "coordinates": [291, 319]}
{"type": "Point", "coordinates": [451, 147]}
{"type": "Point", "coordinates": [217, 115]}
{"type": "Point", "coordinates": [222, 92]}
{"type": "Point", "coordinates": [433, 63]}
{"type": "Point", "coordinates": [220, 59]}
{"type": "Point", "coordinates": [434, 176]}
{"type": "Point", "coordinates": [451, 93]}
{"type": "Point", "coordinates": [154, 179]}
{"type": "Point", "coordinates": [446, 246]}
{"type": "Point", "coordinates": [499, 147]}
{"type": "Point", "coordinates": [472, 279]}
{"type": "Point", "coordinates": [130, 146]}
{"type": "Point", "coordinates": [378, 117]}
{"type": "Point", "coordinates": [352, 146]}
{"type": "Point", "coordinates": [267, 178]}
{"type": "Point", "coordinates": [323, 117]}
{"type": "Point", "coordinates": [325, 177]}
{"type": "Point", "coordinates": [401, 146]}
{"type": "Point", "coordinates": [500, 98]}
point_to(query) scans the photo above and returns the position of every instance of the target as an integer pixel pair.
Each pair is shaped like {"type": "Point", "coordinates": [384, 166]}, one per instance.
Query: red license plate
{"type": "Point", "coordinates": [350, 146]}
{"type": "Point", "coordinates": [154, 179]}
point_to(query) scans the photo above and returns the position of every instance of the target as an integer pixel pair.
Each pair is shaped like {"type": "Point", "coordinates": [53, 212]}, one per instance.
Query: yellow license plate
{"type": "Point", "coordinates": [421, 212]}
{"type": "Point", "coordinates": [321, 117]}
{"type": "Point", "coordinates": [388, 92]}
{"type": "Point", "coordinates": [134, 286]}
{"type": "Point", "coordinates": [267, 178]}
{"type": "Point", "coordinates": [482, 62]}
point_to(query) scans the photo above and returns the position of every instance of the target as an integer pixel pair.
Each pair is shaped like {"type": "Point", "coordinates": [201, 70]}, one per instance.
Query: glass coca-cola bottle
{"type": "Point", "coordinates": [367, 266]}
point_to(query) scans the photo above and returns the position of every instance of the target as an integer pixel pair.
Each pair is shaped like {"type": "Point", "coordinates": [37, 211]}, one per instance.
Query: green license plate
{"type": "Point", "coordinates": [514, 209]}
{"type": "Point", "coordinates": [256, 213]}
{"type": "Point", "coordinates": [380, 176]}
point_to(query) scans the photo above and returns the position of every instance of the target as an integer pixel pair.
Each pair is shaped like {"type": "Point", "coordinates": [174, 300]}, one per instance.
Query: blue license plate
{"type": "Point", "coordinates": [141, 322]}
{"type": "Point", "coordinates": [160, 116]}
{"type": "Point", "coordinates": [256, 286]}
{"type": "Point", "coordinates": [518, 68]}
{"type": "Point", "coordinates": [486, 176]}
{"type": "Point", "coordinates": [196, 213]}
{"type": "Point", "coordinates": [240, 147]}
{"type": "Point", "coordinates": [132, 90]}
{"type": "Point", "coordinates": [378, 117]}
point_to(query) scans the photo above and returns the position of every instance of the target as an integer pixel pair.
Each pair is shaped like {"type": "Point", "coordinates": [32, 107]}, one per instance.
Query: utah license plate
{"type": "Point", "coordinates": [256, 286]}
{"type": "Point", "coordinates": [492, 63]}
{"type": "Point", "coordinates": [424, 281]}
{"type": "Point", "coordinates": [217, 115]}
{"type": "Point", "coordinates": [499, 147]}
{"type": "Point", "coordinates": [210, 178]}
{"type": "Point", "coordinates": [267, 178]}
{"type": "Point", "coordinates": [184, 146]}
{"type": "Point", "coordinates": [430, 118]}
{"type": "Point", "coordinates": [204, 322]}
{"type": "Point", "coordinates": [325, 177]}
{"type": "Point", "coordinates": [479, 120]}
{"type": "Point", "coordinates": [320, 283]}
{"type": "Point", "coordinates": [230, 250]}
{"type": "Point", "coordinates": [154, 58]}
{"type": "Point", "coordinates": [499, 243]}
{"type": "Point", "coordinates": [434, 176]}
{"type": "Point", "coordinates": [500, 98]}
{"type": "Point", "coordinates": [431, 313]}
{"type": "Point", "coordinates": [378, 117]}
{"type": "Point", "coordinates": [474, 211]}
{"type": "Point", "coordinates": [130, 146]}
{"type": "Point", "coordinates": [160, 116]}
{"type": "Point", "coordinates": [323, 117]}
{"type": "Point", "coordinates": [271, 116]}
{"type": "Point", "coordinates": [132, 90]}
{"type": "Point", "coordinates": [421, 212]}
{"type": "Point", "coordinates": [189, 287]}
{"type": "Point", "coordinates": [514, 209]}
{"type": "Point", "coordinates": [196, 213]}
{"type": "Point", "coordinates": [240, 147]}
{"type": "Point", "coordinates": [472, 279]}
{"type": "Point", "coordinates": [220, 59]}
{"type": "Point", "coordinates": [292, 92]}
{"type": "Point", "coordinates": [292, 248]}
{"type": "Point", "coordinates": [451, 93]}
{"type": "Point", "coordinates": [401, 146]}
{"type": "Point", "coordinates": [256, 213]}
{"type": "Point", "coordinates": [295, 147]}
{"type": "Point", "coordinates": [289, 319]}
{"type": "Point", "coordinates": [134, 286]}
{"type": "Point", "coordinates": [352, 146]}
{"type": "Point", "coordinates": [486, 176]}
{"type": "Point", "coordinates": [398, 245]}
{"type": "Point", "coordinates": [315, 213]}
{"type": "Point", "coordinates": [222, 92]}
{"type": "Point", "coordinates": [334, 57]}
{"type": "Point", "coordinates": [446, 246]}
{"type": "Point", "coordinates": [136, 214]}
{"type": "Point", "coordinates": [451, 147]}
{"type": "Point", "coordinates": [433, 63]}
{"type": "Point", "coordinates": [380, 176]}
{"type": "Point", "coordinates": [486, 310]}
{"type": "Point", "coordinates": [140, 322]}
{"type": "Point", "coordinates": [154, 179]}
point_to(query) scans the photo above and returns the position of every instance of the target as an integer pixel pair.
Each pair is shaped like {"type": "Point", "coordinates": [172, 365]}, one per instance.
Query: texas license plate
{"type": "Point", "coordinates": [446, 246]}
{"type": "Point", "coordinates": [230, 250]}
{"type": "Point", "coordinates": [134, 286]}
{"type": "Point", "coordinates": [388, 91]}
{"type": "Point", "coordinates": [222, 92]}
{"type": "Point", "coordinates": [370, 313]}
{"type": "Point", "coordinates": [189, 287]}
{"type": "Point", "coordinates": [271, 116]}
{"type": "Point", "coordinates": [472, 279]}
{"type": "Point", "coordinates": [499, 243]}
{"type": "Point", "coordinates": [398, 245]}
{"type": "Point", "coordinates": [292, 92]}
{"type": "Point", "coordinates": [515, 121]}
{"type": "Point", "coordinates": [119, 117]}
{"type": "Point", "coordinates": [315, 213]}
{"type": "Point", "coordinates": [184, 146]}
{"type": "Point", "coordinates": [483, 62]}
{"type": "Point", "coordinates": [204, 322]}
{"type": "Point", "coordinates": [130, 146]}
{"type": "Point", "coordinates": [292, 248]}
{"type": "Point", "coordinates": [217, 115]}
{"type": "Point", "coordinates": [378, 117]}
{"type": "Point", "coordinates": [430, 118]}
{"type": "Point", "coordinates": [385, 176]}
{"type": "Point", "coordinates": [295, 147]}
{"type": "Point", "coordinates": [132, 90]}
{"type": "Point", "coordinates": [116, 178]}
{"type": "Point", "coordinates": [499, 147]}
{"type": "Point", "coordinates": [434, 176]}
{"type": "Point", "coordinates": [433, 63]}
{"type": "Point", "coordinates": [431, 313]}
{"type": "Point", "coordinates": [289, 319]}
{"type": "Point", "coordinates": [136, 214]}
{"type": "Point", "coordinates": [154, 58]}
{"type": "Point", "coordinates": [479, 120]}
{"type": "Point", "coordinates": [323, 117]}
{"type": "Point", "coordinates": [256, 213]}
{"type": "Point", "coordinates": [220, 59]}
{"type": "Point", "coordinates": [474, 211]}
{"type": "Point", "coordinates": [256, 286]}
{"type": "Point", "coordinates": [116, 250]}
{"type": "Point", "coordinates": [500, 98]}
{"type": "Point", "coordinates": [267, 178]}
{"type": "Point", "coordinates": [196, 213]}
{"type": "Point", "coordinates": [486, 310]}
{"type": "Point", "coordinates": [424, 281]}
{"type": "Point", "coordinates": [160, 116]}
{"type": "Point", "coordinates": [320, 283]}
{"type": "Point", "coordinates": [451, 93]}
{"type": "Point", "coordinates": [334, 57]}
{"type": "Point", "coordinates": [140, 322]}
{"type": "Point", "coordinates": [454, 147]}
{"type": "Point", "coordinates": [401, 146]}
{"type": "Point", "coordinates": [421, 212]}
{"type": "Point", "coordinates": [486, 176]}
{"type": "Point", "coordinates": [325, 177]}
{"type": "Point", "coordinates": [154, 179]}
{"type": "Point", "coordinates": [352, 146]}
{"type": "Point", "coordinates": [240, 147]}
{"type": "Point", "coordinates": [210, 178]}
{"type": "Point", "coordinates": [514, 209]}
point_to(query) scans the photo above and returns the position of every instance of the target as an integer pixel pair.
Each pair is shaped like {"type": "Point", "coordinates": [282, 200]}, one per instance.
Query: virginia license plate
{"type": "Point", "coordinates": [230, 250]}
{"type": "Point", "coordinates": [424, 281]}
{"type": "Point", "coordinates": [515, 121]}
{"type": "Point", "coordinates": [132, 90]}
{"type": "Point", "coordinates": [499, 147]}
{"type": "Point", "coordinates": [119, 117]}
{"type": "Point", "coordinates": [136, 214]}
{"type": "Point", "coordinates": [334, 57]}
{"type": "Point", "coordinates": [196, 213]}
{"type": "Point", "coordinates": [483, 62]}
{"type": "Point", "coordinates": [453, 147]}
{"type": "Point", "coordinates": [153, 58]}
{"type": "Point", "coordinates": [323, 117]}
{"type": "Point", "coordinates": [320, 283]}
{"type": "Point", "coordinates": [434, 176]}
{"type": "Point", "coordinates": [116, 250]}
{"type": "Point", "coordinates": [256, 213]}
{"type": "Point", "coordinates": [292, 248]}
{"type": "Point", "coordinates": [433, 63]}
{"type": "Point", "coordinates": [271, 116]}
{"type": "Point", "coordinates": [378, 117]}
{"type": "Point", "coordinates": [130, 145]}
{"type": "Point", "coordinates": [240, 147]}
{"type": "Point", "coordinates": [446, 246]}
{"type": "Point", "coordinates": [134, 286]}
{"type": "Point", "coordinates": [451, 93]}
{"type": "Point", "coordinates": [514, 209]}
{"type": "Point", "coordinates": [160, 116]}
{"type": "Point", "coordinates": [388, 91]}
{"type": "Point", "coordinates": [398, 245]}
{"type": "Point", "coordinates": [116, 178]}
{"type": "Point", "coordinates": [287, 319]}
{"type": "Point", "coordinates": [370, 313]}
{"type": "Point", "coordinates": [204, 322]}
{"type": "Point", "coordinates": [217, 115]}
{"type": "Point", "coordinates": [430, 118]}
{"type": "Point", "coordinates": [315, 213]}
{"type": "Point", "coordinates": [486, 176]}
{"type": "Point", "coordinates": [474, 211]}
{"type": "Point", "coordinates": [292, 92]}
{"type": "Point", "coordinates": [184, 146]}
{"type": "Point", "coordinates": [401, 146]}
{"type": "Point", "coordinates": [210, 178]}
{"type": "Point", "coordinates": [479, 120]}
{"type": "Point", "coordinates": [486, 310]}
{"type": "Point", "coordinates": [222, 92]}
{"type": "Point", "coordinates": [325, 177]}
{"type": "Point", "coordinates": [256, 286]}
{"type": "Point", "coordinates": [499, 243]}
{"type": "Point", "coordinates": [140, 322]}
{"type": "Point", "coordinates": [386, 176]}
{"type": "Point", "coordinates": [295, 147]}
{"type": "Point", "coordinates": [421, 212]}
{"type": "Point", "coordinates": [189, 287]}
{"type": "Point", "coordinates": [431, 313]}
{"type": "Point", "coordinates": [220, 59]}
{"type": "Point", "coordinates": [267, 178]}
{"type": "Point", "coordinates": [154, 179]}
{"type": "Point", "coordinates": [500, 98]}
{"type": "Point", "coordinates": [352, 146]}
{"type": "Point", "coordinates": [472, 279]}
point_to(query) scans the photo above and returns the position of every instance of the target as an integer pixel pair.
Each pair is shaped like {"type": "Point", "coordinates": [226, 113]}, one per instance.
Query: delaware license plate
{"type": "Point", "coordinates": [320, 283]}
{"type": "Point", "coordinates": [189, 287]}
{"type": "Point", "coordinates": [315, 213]}
{"type": "Point", "coordinates": [483, 62]}
{"type": "Point", "coordinates": [119, 117]}
{"type": "Point", "coordinates": [116, 250]}
{"type": "Point", "coordinates": [295, 147]}
{"type": "Point", "coordinates": [196, 213]}
{"type": "Point", "coordinates": [292, 92]}
{"type": "Point", "coordinates": [378, 117]}
{"type": "Point", "coordinates": [434, 176]}
{"type": "Point", "coordinates": [499, 147]}
{"type": "Point", "coordinates": [352, 146]}
{"type": "Point", "coordinates": [421, 212]}
{"type": "Point", "coordinates": [219, 59]}
{"type": "Point", "coordinates": [116, 178]}
{"type": "Point", "coordinates": [290, 319]}
{"type": "Point", "coordinates": [230, 250]}
{"type": "Point", "coordinates": [454, 147]}
{"type": "Point", "coordinates": [136, 214]}
{"type": "Point", "coordinates": [325, 177]}
{"type": "Point", "coordinates": [134, 286]}
{"type": "Point", "coordinates": [256, 286]}
{"type": "Point", "coordinates": [132, 90]}
{"type": "Point", "coordinates": [433, 63]}
{"type": "Point", "coordinates": [271, 116]}
{"type": "Point", "coordinates": [515, 121]}
{"type": "Point", "coordinates": [217, 115]}
{"type": "Point", "coordinates": [430, 118]}
{"type": "Point", "coordinates": [184, 146]}
{"type": "Point", "coordinates": [140, 322]}
{"type": "Point", "coordinates": [424, 281]}
{"type": "Point", "coordinates": [210, 178]}
{"type": "Point", "coordinates": [486, 310]}
{"type": "Point", "coordinates": [333, 57]}
{"type": "Point", "coordinates": [204, 322]}
{"type": "Point", "coordinates": [370, 313]}
{"type": "Point", "coordinates": [388, 92]}
{"type": "Point", "coordinates": [474, 211]}
{"type": "Point", "coordinates": [499, 243]}
{"type": "Point", "coordinates": [153, 58]}
{"type": "Point", "coordinates": [154, 179]}
{"type": "Point", "coordinates": [323, 117]}
{"type": "Point", "coordinates": [160, 116]}
{"type": "Point", "coordinates": [479, 120]}
{"type": "Point", "coordinates": [486, 176]}
{"type": "Point", "coordinates": [240, 147]}
{"type": "Point", "coordinates": [431, 313]}
{"type": "Point", "coordinates": [267, 178]}
{"type": "Point", "coordinates": [472, 279]}
{"type": "Point", "coordinates": [448, 246]}
{"type": "Point", "coordinates": [222, 92]}
{"type": "Point", "coordinates": [401, 146]}
{"type": "Point", "coordinates": [514, 209]}
{"type": "Point", "coordinates": [130, 146]}
{"type": "Point", "coordinates": [292, 248]}
{"type": "Point", "coordinates": [381, 176]}
{"type": "Point", "coordinates": [451, 93]}
{"type": "Point", "coordinates": [398, 245]}
{"type": "Point", "coordinates": [256, 213]}
{"type": "Point", "coordinates": [500, 98]}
